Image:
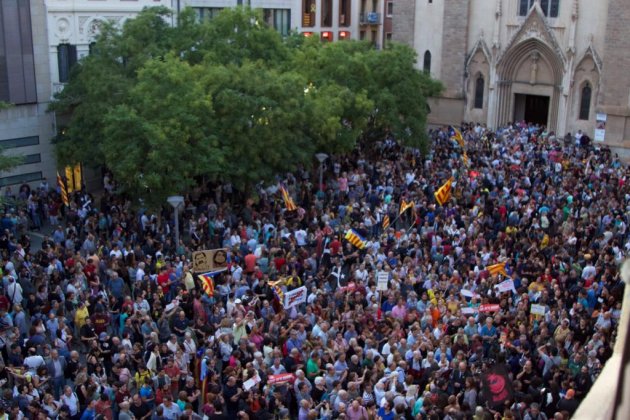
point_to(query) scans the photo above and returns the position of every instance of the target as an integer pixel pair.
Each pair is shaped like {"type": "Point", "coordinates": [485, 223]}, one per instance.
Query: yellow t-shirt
{"type": "Point", "coordinates": [80, 316]}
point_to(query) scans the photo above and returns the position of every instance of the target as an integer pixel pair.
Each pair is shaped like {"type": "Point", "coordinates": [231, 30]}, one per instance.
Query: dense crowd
{"type": "Point", "coordinates": [108, 320]}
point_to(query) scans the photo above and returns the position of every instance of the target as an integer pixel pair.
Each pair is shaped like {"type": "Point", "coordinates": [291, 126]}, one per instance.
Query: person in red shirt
{"type": "Point", "coordinates": [335, 246]}
{"type": "Point", "coordinates": [163, 279]}
{"type": "Point", "coordinates": [250, 263]}
{"type": "Point", "coordinates": [279, 261]}
{"type": "Point", "coordinates": [90, 268]}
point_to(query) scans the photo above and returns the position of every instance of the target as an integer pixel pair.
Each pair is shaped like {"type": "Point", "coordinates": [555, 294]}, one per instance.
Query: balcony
{"type": "Point", "coordinates": [370, 18]}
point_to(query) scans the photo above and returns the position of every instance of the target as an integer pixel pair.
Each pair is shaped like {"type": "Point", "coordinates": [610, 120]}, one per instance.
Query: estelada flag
{"type": "Point", "coordinates": [443, 194]}
{"type": "Point", "coordinates": [386, 222]}
{"type": "Point", "coordinates": [405, 205]}
{"type": "Point", "coordinates": [457, 135]}
{"type": "Point", "coordinates": [497, 386]}
{"type": "Point", "coordinates": [356, 239]}
{"type": "Point", "coordinates": [497, 269]}
{"type": "Point", "coordinates": [207, 283]}
{"type": "Point", "coordinates": [288, 201]}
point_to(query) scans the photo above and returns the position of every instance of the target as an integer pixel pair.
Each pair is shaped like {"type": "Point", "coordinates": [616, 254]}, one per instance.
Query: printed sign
{"type": "Point", "coordinates": [468, 310]}
{"type": "Point", "coordinates": [295, 297]}
{"type": "Point", "coordinates": [494, 307]}
{"type": "Point", "coordinates": [282, 377]}
{"type": "Point", "coordinates": [209, 260]}
{"type": "Point", "coordinates": [600, 126]}
{"type": "Point", "coordinates": [506, 286]}
{"type": "Point", "coordinates": [251, 382]}
{"type": "Point", "coordinates": [537, 309]}
{"type": "Point", "coordinates": [383, 280]}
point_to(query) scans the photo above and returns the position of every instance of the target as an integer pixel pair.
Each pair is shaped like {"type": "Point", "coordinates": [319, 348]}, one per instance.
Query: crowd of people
{"type": "Point", "coordinates": [108, 319]}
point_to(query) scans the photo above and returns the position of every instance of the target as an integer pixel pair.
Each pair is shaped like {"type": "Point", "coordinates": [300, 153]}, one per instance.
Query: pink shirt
{"type": "Point", "coordinates": [399, 312]}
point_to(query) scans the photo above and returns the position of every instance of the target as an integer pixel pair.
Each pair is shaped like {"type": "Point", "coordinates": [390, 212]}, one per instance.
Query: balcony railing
{"type": "Point", "coordinates": [370, 18]}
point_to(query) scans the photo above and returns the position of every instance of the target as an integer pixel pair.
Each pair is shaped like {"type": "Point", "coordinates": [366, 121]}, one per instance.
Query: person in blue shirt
{"type": "Point", "coordinates": [488, 334]}
{"type": "Point", "coordinates": [386, 412]}
{"type": "Point", "coordinates": [90, 412]}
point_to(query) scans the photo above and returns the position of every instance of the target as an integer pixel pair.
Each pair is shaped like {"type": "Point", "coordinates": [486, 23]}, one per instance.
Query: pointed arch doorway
{"type": "Point", "coordinates": [529, 84]}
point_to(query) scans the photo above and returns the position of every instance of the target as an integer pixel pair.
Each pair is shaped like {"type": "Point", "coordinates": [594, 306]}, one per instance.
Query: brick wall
{"type": "Point", "coordinates": [454, 42]}
{"type": "Point", "coordinates": [403, 21]}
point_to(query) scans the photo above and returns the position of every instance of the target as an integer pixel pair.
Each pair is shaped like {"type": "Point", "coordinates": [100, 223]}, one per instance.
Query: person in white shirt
{"type": "Point", "coordinates": [300, 237]}
{"type": "Point", "coordinates": [70, 399]}
{"type": "Point", "coordinates": [14, 291]}
{"type": "Point", "coordinates": [140, 272]}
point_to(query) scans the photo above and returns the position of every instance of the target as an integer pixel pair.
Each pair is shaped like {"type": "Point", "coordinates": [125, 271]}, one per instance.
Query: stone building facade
{"type": "Point", "coordinates": [562, 63]}
{"type": "Point", "coordinates": [26, 127]}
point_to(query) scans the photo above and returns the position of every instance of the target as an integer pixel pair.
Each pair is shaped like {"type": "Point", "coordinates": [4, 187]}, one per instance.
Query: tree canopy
{"type": "Point", "coordinates": [229, 99]}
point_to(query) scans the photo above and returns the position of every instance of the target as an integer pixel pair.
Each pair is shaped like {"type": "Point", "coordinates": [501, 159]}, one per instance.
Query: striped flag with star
{"type": "Point", "coordinates": [63, 189]}
{"type": "Point", "coordinates": [355, 239]}
{"type": "Point", "coordinates": [207, 283]}
{"type": "Point", "coordinates": [443, 194]}
{"type": "Point", "coordinates": [277, 290]}
{"type": "Point", "coordinates": [457, 136]}
{"type": "Point", "coordinates": [497, 269]}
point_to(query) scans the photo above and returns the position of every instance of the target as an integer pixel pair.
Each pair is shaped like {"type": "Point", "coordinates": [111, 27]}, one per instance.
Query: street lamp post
{"type": "Point", "coordinates": [176, 201]}
{"type": "Point", "coordinates": [321, 157]}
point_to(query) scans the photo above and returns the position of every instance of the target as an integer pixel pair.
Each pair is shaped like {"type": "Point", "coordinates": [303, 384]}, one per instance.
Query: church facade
{"type": "Point", "coordinates": [561, 63]}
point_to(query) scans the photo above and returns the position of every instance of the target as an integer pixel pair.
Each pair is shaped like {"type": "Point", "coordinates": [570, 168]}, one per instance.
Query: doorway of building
{"type": "Point", "coordinates": [531, 108]}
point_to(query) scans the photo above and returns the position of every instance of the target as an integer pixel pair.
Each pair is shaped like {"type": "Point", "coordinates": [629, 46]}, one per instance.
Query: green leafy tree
{"type": "Point", "coordinates": [229, 99]}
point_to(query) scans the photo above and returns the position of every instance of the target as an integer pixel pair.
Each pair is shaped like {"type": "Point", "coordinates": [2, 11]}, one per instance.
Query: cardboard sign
{"type": "Point", "coordinates": [537, 309]}
{"type": "Point", "coordinates": [251, 382]}
{"type": "Point", "coordinates": [494, 307]}
{"type": "Point", "coordinates": [506, 286]}
{"type": "Point", "coordinates": [295, 297]}
{"type": "Point", "coordinates": [282, 377]}
{"type": "Point", "coordinates": [383, 281]}
{"type": "Point", "coordinates": [210, 260]}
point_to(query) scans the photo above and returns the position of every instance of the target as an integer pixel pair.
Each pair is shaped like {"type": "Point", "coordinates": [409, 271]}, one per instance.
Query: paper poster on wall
{"type": "Point", "coordinates": [600, 126]}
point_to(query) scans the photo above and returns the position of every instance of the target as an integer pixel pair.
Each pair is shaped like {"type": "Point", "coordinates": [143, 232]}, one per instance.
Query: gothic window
{"type": "Point", "coordinates": [524, 6]}
{"type": "Point", "coordinates": [550, 7]}
{"type": "Point", "coordinates": [479, 86]}
{"type": "Point", "coordinates": [426, 66]}
{"type": "Point", "coordinates": [585, 102]}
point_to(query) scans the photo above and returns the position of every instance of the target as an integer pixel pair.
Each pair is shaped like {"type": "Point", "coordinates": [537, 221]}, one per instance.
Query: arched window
{"type": "Point", "coordinates": [479, 86]}
{"type": "Point", "coordinates": [585, 102]}
{"type": "Point", "coordinates": [426, 66]}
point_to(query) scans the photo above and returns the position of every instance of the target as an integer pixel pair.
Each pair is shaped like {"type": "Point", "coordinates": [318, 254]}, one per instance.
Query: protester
{"type": "Point", "coordinates": [502, 301]}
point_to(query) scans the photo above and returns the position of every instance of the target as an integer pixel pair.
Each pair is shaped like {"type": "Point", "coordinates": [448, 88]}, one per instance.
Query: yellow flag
{"type": "Point", "coordinates": [443, 194]}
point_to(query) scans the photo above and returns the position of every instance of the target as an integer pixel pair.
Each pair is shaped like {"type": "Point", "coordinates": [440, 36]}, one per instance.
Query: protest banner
{"type": "Point", "coordinates": [282, 377]}
{"type": "Point", "coordinates": [497, 385]}
{"type": "Point", "coordinates": [209, 260]}
{"type": "Point", "coordinates": [492, 307]}
{"type": "Point", "coordinates": [537, 309]}
{"type": "Point", "coordinates": [506, 286]}
{"type": "Point", "coordinates": [294, 297]}
{"type": "Point", "coordinates": [383, 281]}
